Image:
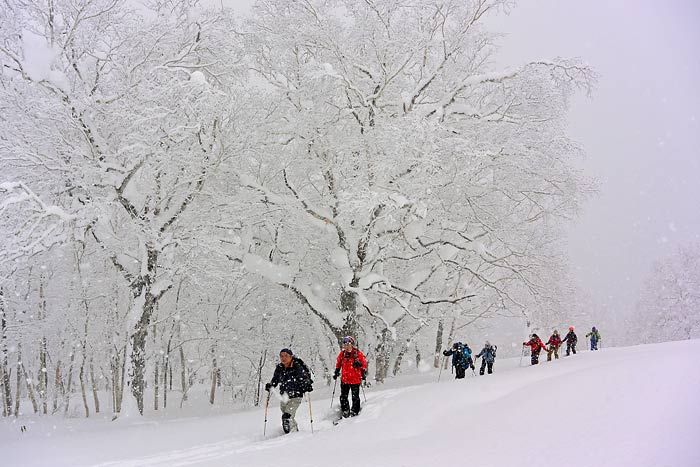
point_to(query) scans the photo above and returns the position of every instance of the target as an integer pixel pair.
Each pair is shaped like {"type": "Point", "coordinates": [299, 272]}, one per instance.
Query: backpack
{"type": "Point", "coordinates": [308, 376]}
{"type": "Point", "coordinates": [466, 352]}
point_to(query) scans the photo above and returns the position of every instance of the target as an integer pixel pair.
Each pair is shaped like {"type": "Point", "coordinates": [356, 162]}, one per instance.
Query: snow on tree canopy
{"type": "Point", "coordinates": [39, 60]}
{"type": "Point", "coordinates": [198, 77]}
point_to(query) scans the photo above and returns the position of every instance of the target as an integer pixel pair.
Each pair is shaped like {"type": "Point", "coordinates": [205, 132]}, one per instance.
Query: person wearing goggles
{"type": "Point", "coordinates": [352, 365]}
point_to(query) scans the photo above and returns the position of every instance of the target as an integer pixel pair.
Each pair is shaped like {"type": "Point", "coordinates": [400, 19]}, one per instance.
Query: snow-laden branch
{"type": "Point", "coordinates": [285, 276]}
{"type": "Point", "coordinates": [38, 227]}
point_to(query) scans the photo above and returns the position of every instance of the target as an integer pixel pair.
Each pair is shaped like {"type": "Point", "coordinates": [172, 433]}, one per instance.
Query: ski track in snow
{"type": "Point", "coordinates": [196, 455]}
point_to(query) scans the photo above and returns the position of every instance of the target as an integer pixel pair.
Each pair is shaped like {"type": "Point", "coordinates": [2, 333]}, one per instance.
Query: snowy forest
{"type": "Point", "coordinates": [184, 191]}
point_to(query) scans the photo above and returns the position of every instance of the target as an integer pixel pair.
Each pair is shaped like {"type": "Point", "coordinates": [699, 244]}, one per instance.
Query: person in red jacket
{"type": "Point", "coordinates": [554, 342]}
{"type": "Point", "coordinates": [536, 345]}
{"type": "Point", "coordinates": [353, 366]}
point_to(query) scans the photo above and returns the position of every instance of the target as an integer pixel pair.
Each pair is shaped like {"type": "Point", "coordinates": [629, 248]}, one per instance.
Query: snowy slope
{"type": "Point", "coordinates": [636, 406]}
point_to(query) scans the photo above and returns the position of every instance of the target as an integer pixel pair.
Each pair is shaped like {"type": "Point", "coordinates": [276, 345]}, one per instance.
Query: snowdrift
{"type": "Point", "coordinates": [635, 406]}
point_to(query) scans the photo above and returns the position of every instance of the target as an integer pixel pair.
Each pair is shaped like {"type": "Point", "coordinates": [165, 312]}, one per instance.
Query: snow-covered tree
{"type": "Point", "coordinates": [669, 306]}
{"type": "Point", "coordinates": [116, 116]}
{"type": "Point", "coordinates": [398, 168]}
{"type": "Point", "coordinates": [181, 191]}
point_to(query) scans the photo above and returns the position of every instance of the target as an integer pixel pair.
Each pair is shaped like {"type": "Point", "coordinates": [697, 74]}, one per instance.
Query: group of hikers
{"type": "Point", "coordinates": [555, 341]}
{"type": "Point", "coordinates": [462, 358]}
{"type": "Point", "coordinates": [294, 377]}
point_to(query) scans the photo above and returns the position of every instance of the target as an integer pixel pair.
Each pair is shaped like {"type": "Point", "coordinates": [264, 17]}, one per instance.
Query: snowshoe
{"type": "Point", "coordinates": [286, 426]}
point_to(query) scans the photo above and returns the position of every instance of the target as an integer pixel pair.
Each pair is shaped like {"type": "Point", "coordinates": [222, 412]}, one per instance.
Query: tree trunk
{"type": "Point", "coordinates": [81, 375]}
{"type": "Point", "coordinates": [404, 349]}
{"type": "Point", "coordinates": [383, 352]}
{"type": "Point", "coordinates": [122, 380]}
{"type": "Point", "coordinates": [170, 376]}
{"type": "Point", "coordinates": [29, 381]}
{"type": "Point", "coordinates": [212, 390]}
{"type": "Point", "coordinates": [93, 382]}
{"type": "Point", "coordinates": [58, 386]}
{"type": "Point", "coordinates": [166, 368]}
{"type": "Point", "coordinates": [261, 364]}
{"type": "Point", "coordinates": [83, 393]}
{"type": "Point", "coordinates": [2, 388]}
{"type": "Point", "coordinates": [4, 367]}
{"type": "Point", "coordinates": [142, 289]}
{"type": "Point", "coordinates": [438, 344]}
{"type": "Point", "coordinates": [19, 379]}
{"type": "Point", "coordinates": [43, 370]}
{"type": "Point", "coordinates": [114, 373]}
{"type": "Point", "coordinates": [183, 376]}
{"type": "Point", "coordinates": [69, 384]}
{"type": "Point", "coordinates": [156, 386]}
{"type": "Point", "coordinates": [348, 306]}
{"type": "Point", "coordinates": [138, 350]}
{"type": "Point", "coordinates": [450, 338]}
{"type": "Point", "coordinates": [43, 376]}
{"type": "Point", "coordinates": [214, 376]}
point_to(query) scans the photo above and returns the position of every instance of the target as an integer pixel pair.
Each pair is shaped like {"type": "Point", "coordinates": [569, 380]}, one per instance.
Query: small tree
{"type": "Point", "coordinates": [670, 300]}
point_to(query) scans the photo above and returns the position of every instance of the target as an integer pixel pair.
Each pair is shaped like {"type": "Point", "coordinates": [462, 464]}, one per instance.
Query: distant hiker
{"type": "Point", "coordinates": [595, 337]}
{"type": "Point", "coordinates": [294, 379]}
{"type": "Point", "coordinates": [536, 345]}
{"type": "Point", "coordinates": [461, 358]}
{"type": "Point", "coordinates": [554, 343]}
{"type": "Point", "coordinates": [353, 365]}
{"type": "Point", "coordinates": [571, 341]}
{"type": "Point", "coordinates": [488, 354]}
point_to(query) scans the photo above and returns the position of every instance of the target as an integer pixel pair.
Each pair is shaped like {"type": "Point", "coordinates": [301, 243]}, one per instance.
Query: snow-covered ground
{"type": "Point", "coordinates": [636, 406]}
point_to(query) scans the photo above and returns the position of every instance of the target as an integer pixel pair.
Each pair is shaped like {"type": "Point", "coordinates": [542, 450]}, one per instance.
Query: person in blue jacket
{"type": "Point", "coordinates": [461, 358]}
{"type": "Point", "coordinates": [595, 337]}
{"type": "Point", "coordinates": [488, 356]}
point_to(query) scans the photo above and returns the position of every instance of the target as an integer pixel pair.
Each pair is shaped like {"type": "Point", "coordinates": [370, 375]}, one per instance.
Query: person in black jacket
{"type": "Point", "coordinates": [571, 341]}
{"type": "Point", "coordinates": [461, 358]}
{"type": "Point", "coordinates": [294, 379]}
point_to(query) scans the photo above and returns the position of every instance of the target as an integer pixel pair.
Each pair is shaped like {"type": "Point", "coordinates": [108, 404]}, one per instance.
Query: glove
{"type": "Point", "coordinates": [337, 373]}
{"type": "Point", "coordinates": [357, 364]}
{"type": "Point", "coordinates": [364, 375]}
{"type": "Point", "coordinates": [268, 386]}
{"type": "Point", "coordinates": [445, 353]}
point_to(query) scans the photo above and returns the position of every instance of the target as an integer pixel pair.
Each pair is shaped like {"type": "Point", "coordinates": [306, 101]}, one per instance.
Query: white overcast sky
{"type": "Point", "coordinates": [641, 129]}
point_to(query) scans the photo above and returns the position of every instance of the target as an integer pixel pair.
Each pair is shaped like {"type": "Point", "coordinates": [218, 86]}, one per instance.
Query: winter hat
{"type": "Point", "coordinates": [593, 329]}
{"type": "Point", "coordinates": [535, 335]}
{"type": "Point", "coordinates": [287, 351]}
{"type": "Point", "coordinates": [556, 332]}
{"type": "Point", "coordinates": [349, 340]}
{"type": "Point", "coordinates": [571, 328]}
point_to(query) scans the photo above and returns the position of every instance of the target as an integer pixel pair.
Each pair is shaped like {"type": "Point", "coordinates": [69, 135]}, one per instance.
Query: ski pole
{"type": "Point", "coordinates": [522, 354]}
{"type": "Point", "coordinates": [334, 386]}
{"type": "Point", "coordinates": [267, 402]}
{"type": "Point", "coordinates": [363, 392]}
{"type": "Point", "coordinates": [311, 415]}
{"type": "Point", "coordinates": [442, 363]}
